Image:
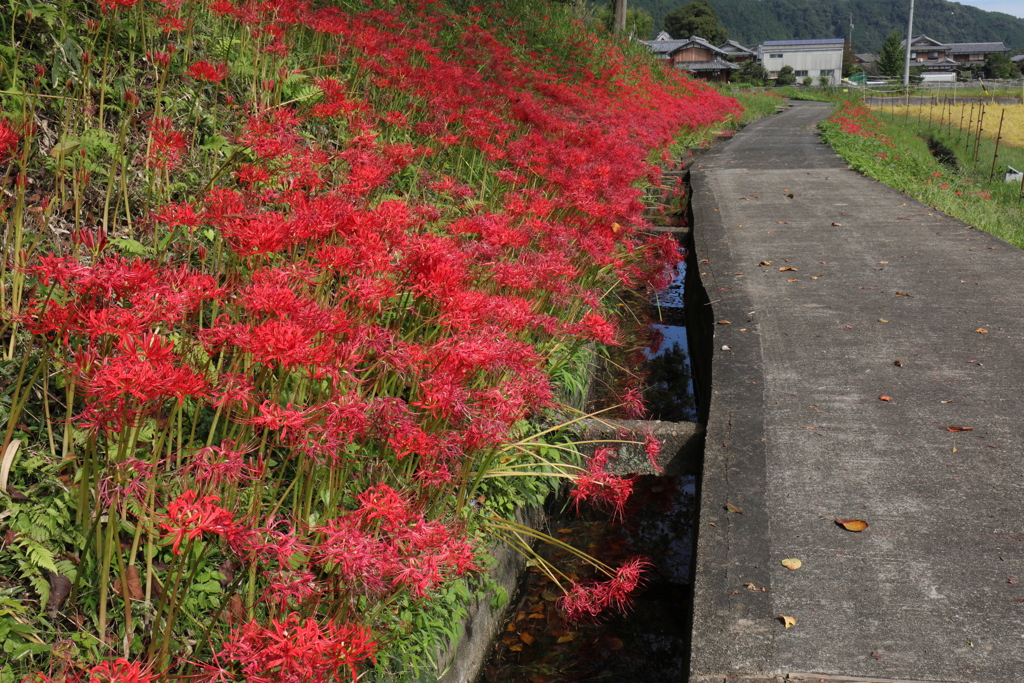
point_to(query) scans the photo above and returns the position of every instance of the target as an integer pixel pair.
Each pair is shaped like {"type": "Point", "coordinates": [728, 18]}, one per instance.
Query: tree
{"type": "Point", "coordinates": [639, 23]}
{"type": "Point", "coordinates": [998, 65]}
{"type": "Point", "coordinates": [696, 19]}
{"type": "Point", "coordinates": [892, 56]}
{"type": "Point", "coordinates": [786, 76]}
{"type": "Point", "coordinates": [751, 72]}
{"type": "Point", "coordinates": [849, 59]}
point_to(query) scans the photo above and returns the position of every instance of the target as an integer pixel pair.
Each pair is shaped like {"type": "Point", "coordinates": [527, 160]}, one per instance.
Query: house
{"type": "Point", "coordinates": [694, 55]}
{"type": "Point", "coordinates": [705, 61]}
{"type": "Point", "coordinates": [814, 58]}
{"type": "Point", "coordinates": [866, 61]}
{"type": "Point", "coordinates": [931, 56]}
{"type": "Point", "coordinates": [1018, 60]}
{"type": "Point", "coordinates": [662, 44]}
{"type": "Point", "coordinates": [737, 53]}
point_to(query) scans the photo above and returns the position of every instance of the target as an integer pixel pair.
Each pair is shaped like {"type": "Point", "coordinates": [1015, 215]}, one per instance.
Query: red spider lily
{"type": "Point", "coordinates": [204, 71]}
{"type": "Point", "coordinates": [297, 650]}
{"type": "Point", "coordinates": [8, 141]}
{"type": "Point", "coordinates": [168, 144]}
{"type": "Point", "coordinates": [600, 486]}
{"type": "Point", "coordinates": [586, 600]}
{"type": "Point", "coordinates": [117, 671]}
{"type": "Point", "coordinates": [188, 518]}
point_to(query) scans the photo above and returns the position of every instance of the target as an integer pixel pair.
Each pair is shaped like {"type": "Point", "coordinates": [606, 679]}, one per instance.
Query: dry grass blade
{"type": "Point", "coordinates": [5, 465]}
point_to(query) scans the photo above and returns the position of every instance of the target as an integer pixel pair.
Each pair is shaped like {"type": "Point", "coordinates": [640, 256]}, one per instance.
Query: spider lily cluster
{"type": "Point", "coordinates": [284, 292]}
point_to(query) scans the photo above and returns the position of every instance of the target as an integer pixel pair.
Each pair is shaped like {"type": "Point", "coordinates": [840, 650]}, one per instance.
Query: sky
{"type": "Point", "coordinates": [1012, 7]}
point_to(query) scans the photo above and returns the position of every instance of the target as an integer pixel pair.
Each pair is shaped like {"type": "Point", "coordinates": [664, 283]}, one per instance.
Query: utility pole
{"type": "Point", "coordinates": [620, 16]}
{"type": "Point", "coordinates": [906, 63]}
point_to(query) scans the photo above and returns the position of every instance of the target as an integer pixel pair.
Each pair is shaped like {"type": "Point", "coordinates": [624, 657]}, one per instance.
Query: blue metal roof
{"type": "Point", "coordinates": [816, 41]}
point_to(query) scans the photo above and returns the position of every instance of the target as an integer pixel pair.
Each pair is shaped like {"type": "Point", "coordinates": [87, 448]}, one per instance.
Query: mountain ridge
{"type": "Point", "coordinates": [751, 22]}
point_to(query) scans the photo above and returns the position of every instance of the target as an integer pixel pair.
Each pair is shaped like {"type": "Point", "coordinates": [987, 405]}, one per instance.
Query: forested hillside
{"type": "Point", "coordinates": [753, 21]}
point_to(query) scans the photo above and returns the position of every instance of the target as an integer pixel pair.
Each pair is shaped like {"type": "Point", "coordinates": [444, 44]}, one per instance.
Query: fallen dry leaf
{"type": "Point", "coordinates": [792, 564]}
{"type": "Point", "coordinates": [788, 621]}
{"type": "Point", "coordinates": [852, 524]}
{"type": "Point", "coordinates": [782, 222]}
{"type": "Point", "coordinates": [960, 429]}
{"type": "Point", "coordinates": [526, 638]}
{"type": "Point", "coordinates": [565, 531]}
{"type": "Point", "coordinates": [882, 320]}
{"type": "Point", "coordinates": [876, 654]}
{"type": "Point", "coordinates": [787, 268]}
{"type": "Point", "coordinates": [883, 397]}
{"type": "Point", "coordinates": [765, 263]}
{"type": "Point", "coordinates": [898, 363]}
{"type": "Point", "coordinates": [838, 225]}
{"type": "Point", "coordinates": [981, 330]}
{"type": "Point", "coordinates": [567, 637]}
{"type": "Point", "coordinates": [902, 294]}
{"type": "Point", "coordinates": [518, 647]}
{"type": "Point", "coordinates": [792, 279]}
{"type": "Point", "coordinates": [732, 508]}
{"type": "Point", "coordinates": [60, 589]}
{"type": "Point", "coordinates": [724, 322]}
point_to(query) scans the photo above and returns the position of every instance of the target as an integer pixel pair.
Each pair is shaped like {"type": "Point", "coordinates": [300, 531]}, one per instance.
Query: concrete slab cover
{"type": "Point", "coordinates": [863, 327]}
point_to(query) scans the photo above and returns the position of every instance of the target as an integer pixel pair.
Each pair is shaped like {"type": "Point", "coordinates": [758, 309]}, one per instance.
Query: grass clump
{"type": "Point", "coordinates": [907, 153]}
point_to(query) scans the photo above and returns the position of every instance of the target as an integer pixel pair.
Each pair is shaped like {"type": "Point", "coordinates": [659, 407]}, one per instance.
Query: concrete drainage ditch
{"type": "Point", "coordinates": [527, 640]}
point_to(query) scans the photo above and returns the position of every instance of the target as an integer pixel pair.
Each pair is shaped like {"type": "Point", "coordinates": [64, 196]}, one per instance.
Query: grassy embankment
{"type": "Point", "coordinates": [291, 295]}
{"type": "Point", "coordinates": [940, 165]}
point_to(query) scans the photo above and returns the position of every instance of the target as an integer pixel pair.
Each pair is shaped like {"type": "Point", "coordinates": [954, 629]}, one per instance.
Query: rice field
{"type": "Point", "coordinates": [966, 116]}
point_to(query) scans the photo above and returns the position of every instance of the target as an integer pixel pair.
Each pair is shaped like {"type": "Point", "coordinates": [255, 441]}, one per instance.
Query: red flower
{"type": "Point", "coordinates": [204, 71]}
{"type": "Point", "coordinates": [190, 519]}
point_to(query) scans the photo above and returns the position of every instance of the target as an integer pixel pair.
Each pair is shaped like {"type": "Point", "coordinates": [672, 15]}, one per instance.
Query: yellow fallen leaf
{"type": "Point", "coordinates": [792, 564]}
{"type": "Point", "coordinates": [518, 647]}
{"type": "Point", "coordinates": [852, 524]}
{"type": "Point", "coordinates": [788, 621]}
{"type": "Point", "coordinates": [567, 637]}
{"type": "Point", "coordinates": [732, 508]}
{"type": "Point", "coordinates": [882, 320]}
{"type": "Point", "coordinates": [526, 638]}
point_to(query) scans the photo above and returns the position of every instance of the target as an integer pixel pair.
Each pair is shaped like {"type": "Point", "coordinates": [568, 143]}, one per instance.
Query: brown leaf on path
{"type": "Point", "coordinates": [876, 654]}
{"type": "Point", "coordinates": [898, 363]}
{"type": "Point", "coordinates": [902, 294]}
{"type": "Point", "coordinates": [787, 268]}
{"type": "Point", "coordinates": [526, 638]}
{"type": "Point", "coordinates": [787, 621]}
{"type": "Point", "coordinates": [981, 330]}
{"type": "Point", "coordinates": [852, 524]}
{"type": "Point", "coordinates": [838, 225]}
{"type": "Point", "coordinates": [764, 263]}
{"type": "Point", "coordinates": [517, 647]}
{"type": "Point", "coordinates": [732, 508]}
{"type": "Point", "coordinates": [960, 429]}
{"type": "Point", "coordinates": [724, 322]}
{"type": "Point", "coordinates": [882, 320]}
{"type": "Point", "coordinates": [792, 280]}
{"type": "Point", "coordinates": [782, 222]}
{"type": "Point", "coordinates": [883, 397]}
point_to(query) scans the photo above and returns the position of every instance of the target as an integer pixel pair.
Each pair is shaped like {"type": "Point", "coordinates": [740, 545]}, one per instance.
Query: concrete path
{"type": "Point", "coordinates": [862, 326]}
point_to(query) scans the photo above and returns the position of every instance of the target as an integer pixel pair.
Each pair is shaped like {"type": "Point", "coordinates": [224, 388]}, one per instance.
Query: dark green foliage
{"type": "Point", "coordinates": [639, 23]}
{"type": "Point", "coordinates": [1000, 66]}
{"type": "Point", "coordinates": [751, 72]}
{"type": "Point", "coordinates": [892, 57]}
{"type": "Point", "coordinates": [696, 19]}
{"type": "Point", "coordinates": [786, 77]}
{"type": "Point", "coordinates": [753, 21]}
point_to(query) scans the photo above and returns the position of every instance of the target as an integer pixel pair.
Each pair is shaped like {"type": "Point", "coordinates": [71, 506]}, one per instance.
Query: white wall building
{"type": "Point", "coordinates": [814, 58]}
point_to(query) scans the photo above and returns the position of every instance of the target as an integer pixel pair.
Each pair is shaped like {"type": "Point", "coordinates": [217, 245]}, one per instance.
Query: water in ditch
{"type": "Point", "coordinates": [650, 642]}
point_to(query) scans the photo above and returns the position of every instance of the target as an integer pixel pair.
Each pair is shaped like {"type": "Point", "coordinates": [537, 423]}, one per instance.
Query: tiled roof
{"type": "Point", "coordinates": [959, 48]}
{"type": "Point", "coordinates": [714, 65]}
{"type": "Point", "coordinates": [732, 47]}
{"type": "Point", "coordinates": [698, 42]}
{"type": "Point", "coordinates": [816, 41]}
{"type": "Point", "coordinates": [1018, 58]}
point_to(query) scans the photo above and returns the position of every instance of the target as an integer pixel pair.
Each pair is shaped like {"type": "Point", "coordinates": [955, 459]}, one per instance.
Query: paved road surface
{"type": "Point", "coordinates": [861, 293]}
